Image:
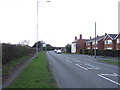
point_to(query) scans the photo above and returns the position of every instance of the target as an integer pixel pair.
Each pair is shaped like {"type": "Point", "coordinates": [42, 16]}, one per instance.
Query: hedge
{"type": "Point", "coordinates": [11, 52]}
{"type": "Point", "coordinates": [113, 53]}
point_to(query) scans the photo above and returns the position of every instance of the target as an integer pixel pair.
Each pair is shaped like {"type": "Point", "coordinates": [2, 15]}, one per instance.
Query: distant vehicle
{"type": "Point", "coordinates": [58, 51]}
{"type": "Point", "coordinates": [55, 50]}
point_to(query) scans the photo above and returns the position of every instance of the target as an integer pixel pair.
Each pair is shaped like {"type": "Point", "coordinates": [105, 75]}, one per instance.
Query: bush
{"type": "Point", "coordinates": [81, 51]}
{"type": "Point", "coordinates": [11, 52]}
{"type": "Point", "coordinates": [113, 53]}
{"type": "Point", "coordinates": [68, 48]}
{"type": "Point", "coordinates": [86, 52]}
{"type": "Point", "coordinates": [90, 52]}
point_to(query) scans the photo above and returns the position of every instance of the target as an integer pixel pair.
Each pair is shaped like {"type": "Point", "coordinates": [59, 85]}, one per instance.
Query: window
{"type": "Point", "coordinates": [88, 48]}
{"type": "Point", "coordinates": [109, 41]}
{"type": "Point", "coordinates": [106, 41]}
{"type": "Point", "coordinates": [109, 48]}
{"type": "Point", "coordinates": [88, 43]}
{"type": "Point", "coordinates": [94, 42]}
{"type": "Point", "coordinates": [118, 40]}
{"type": "Point", "coordinates": [96, 47]}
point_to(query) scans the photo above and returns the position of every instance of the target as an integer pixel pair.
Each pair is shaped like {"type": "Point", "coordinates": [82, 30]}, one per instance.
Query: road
{"type": "Point", "coordinates": [82, 71]}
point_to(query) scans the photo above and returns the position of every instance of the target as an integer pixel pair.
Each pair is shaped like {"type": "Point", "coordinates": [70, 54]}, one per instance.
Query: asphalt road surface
{"type": "Point", "coordinates": [82, 71]}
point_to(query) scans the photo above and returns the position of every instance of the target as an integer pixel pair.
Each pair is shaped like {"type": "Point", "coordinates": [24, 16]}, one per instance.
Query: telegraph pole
{"type": "Point", "coordinates": [95, 41]}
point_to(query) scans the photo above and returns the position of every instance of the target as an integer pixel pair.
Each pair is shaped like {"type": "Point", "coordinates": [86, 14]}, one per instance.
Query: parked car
{"type": "Point", "coordinates": [58, 51]}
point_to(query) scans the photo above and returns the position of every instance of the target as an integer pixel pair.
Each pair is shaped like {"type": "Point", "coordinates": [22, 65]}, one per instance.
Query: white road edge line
{"type": "Point", "coordinates": [93, 68]}
{"type": "Point", "coordinates": [81, 66]}
{"type": "Point", "coordinates": [108, 79]}
{"type": "Point", "coordinates": [114, 74]}
{"type": "Point", "coordinates": [68, 60]}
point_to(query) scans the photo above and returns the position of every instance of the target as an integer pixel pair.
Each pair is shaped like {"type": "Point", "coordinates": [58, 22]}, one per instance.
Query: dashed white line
{"type": "Point", "coordinates": [89, 65]}
{"type": "Point", "coordinates": [101, 75]}
{"type": "Point", "coordinates": [68, 60]}
{"type": "Point", "coordinates": [81, 66]}
{"type": "Point", "coordinates": [93, 67]}
{"type": "Point", "coordinates": [86, 68]}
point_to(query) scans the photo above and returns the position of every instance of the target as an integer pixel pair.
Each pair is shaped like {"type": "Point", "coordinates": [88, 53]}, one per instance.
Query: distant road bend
{"type": "Point", "coordinates": [82, 71]}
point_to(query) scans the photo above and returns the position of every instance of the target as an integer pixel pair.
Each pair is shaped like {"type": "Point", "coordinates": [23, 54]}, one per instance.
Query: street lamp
{"type": "Point", "coordinates": [37, 28]}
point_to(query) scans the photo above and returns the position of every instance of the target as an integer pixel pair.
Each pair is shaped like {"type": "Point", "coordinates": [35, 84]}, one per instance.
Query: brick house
{"type": "Point", "coordinates": [110, 41]}
{"type": "Point", "coordinates": [118, 42]}
{"type": "Point", "coordinates": [99, 43]}
{"type": "Point", "coordinates": [78, 44]}
{"type": "Point", "coordinates": [107, 41]}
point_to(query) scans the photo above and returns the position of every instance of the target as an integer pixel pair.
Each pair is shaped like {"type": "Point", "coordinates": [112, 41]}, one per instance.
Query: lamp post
{"type": "Point", "coordinates": [37, 27]}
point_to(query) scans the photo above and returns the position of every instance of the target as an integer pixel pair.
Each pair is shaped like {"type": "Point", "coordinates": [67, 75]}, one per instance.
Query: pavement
{"type": "Point", "coordinates": [82, 71]}
{"type": "Point", "coordinates": [14, 74]}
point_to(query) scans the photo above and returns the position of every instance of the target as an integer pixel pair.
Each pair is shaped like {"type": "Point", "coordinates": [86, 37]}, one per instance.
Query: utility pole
{"type": "Point", "coordinates": [95, 42]}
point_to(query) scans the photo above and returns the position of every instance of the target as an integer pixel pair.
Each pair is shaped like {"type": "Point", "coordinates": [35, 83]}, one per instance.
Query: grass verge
{"type": "Point", "coordinates": [110, 62]}
{"type": "Point", "coordinates": [36, 75]}
{"type": "Point", "coordinates": [8, 68]}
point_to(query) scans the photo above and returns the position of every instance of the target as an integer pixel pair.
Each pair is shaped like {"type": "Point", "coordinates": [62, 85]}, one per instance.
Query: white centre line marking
{"type": "Point", "coordinates": [81, 66]}
{"type": "Point", "coordinates": [87, 68]}
{"type": "Point", "coordinates": [101, 75]}
{"type": "Point", "coordinates": [93, 67]}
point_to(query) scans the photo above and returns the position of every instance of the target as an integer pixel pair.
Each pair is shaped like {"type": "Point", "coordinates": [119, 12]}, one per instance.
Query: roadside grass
{"type": "Point", "coordinates": [110, 62]}
{"type": "Point", "coordinates": [116, 58]}
{"type": "Point", "coordinates": [36, 75]}
{"type": "Point", "coordinates": [8, 68]}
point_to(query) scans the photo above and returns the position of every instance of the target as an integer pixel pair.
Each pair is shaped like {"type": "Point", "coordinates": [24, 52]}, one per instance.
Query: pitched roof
{"type": "Point", "coordinates": [86, 39]}
{"type": "Point", "coordinates": [117, 35]}
{"type": "Point", "coordinates": [75, 41]}
{"type": "Point", "coordinates": [83, 39]}
{"type": "Point", "coordinates": [112, 35]}
{"type": "Point", "coordinates": [99, 37]}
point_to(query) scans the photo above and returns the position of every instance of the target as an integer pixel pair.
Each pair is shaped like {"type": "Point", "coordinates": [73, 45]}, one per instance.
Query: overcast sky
{"type": "Point", "coordinates": [59, 20]}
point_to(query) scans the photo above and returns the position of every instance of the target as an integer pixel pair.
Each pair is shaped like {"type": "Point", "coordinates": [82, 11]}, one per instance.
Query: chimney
{"type": "Point", "coordinates": [90, 37]}
{"type": "Point", "coordinates": [97, 36]}
{"type": "Point", "coordinates": [75, 38]}
{"type": "Point", "coordinates": [105, 33]}
{"type": "Point", "coordinates": [80, 36]}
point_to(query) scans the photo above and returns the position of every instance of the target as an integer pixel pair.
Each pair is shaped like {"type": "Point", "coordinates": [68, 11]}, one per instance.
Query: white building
{"type": "Point", "coordinates": [73, 46]}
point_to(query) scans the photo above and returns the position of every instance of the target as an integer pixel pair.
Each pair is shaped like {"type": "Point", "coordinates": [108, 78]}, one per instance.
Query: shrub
{"type": "Point", "coordinates": [11, 52]}
{"type": "Point", "coordinates": [86, 52]}
{"type": "Point", "coordinates": [113, 53]}
{"type": "Point", "coordinates": [81, 51]}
